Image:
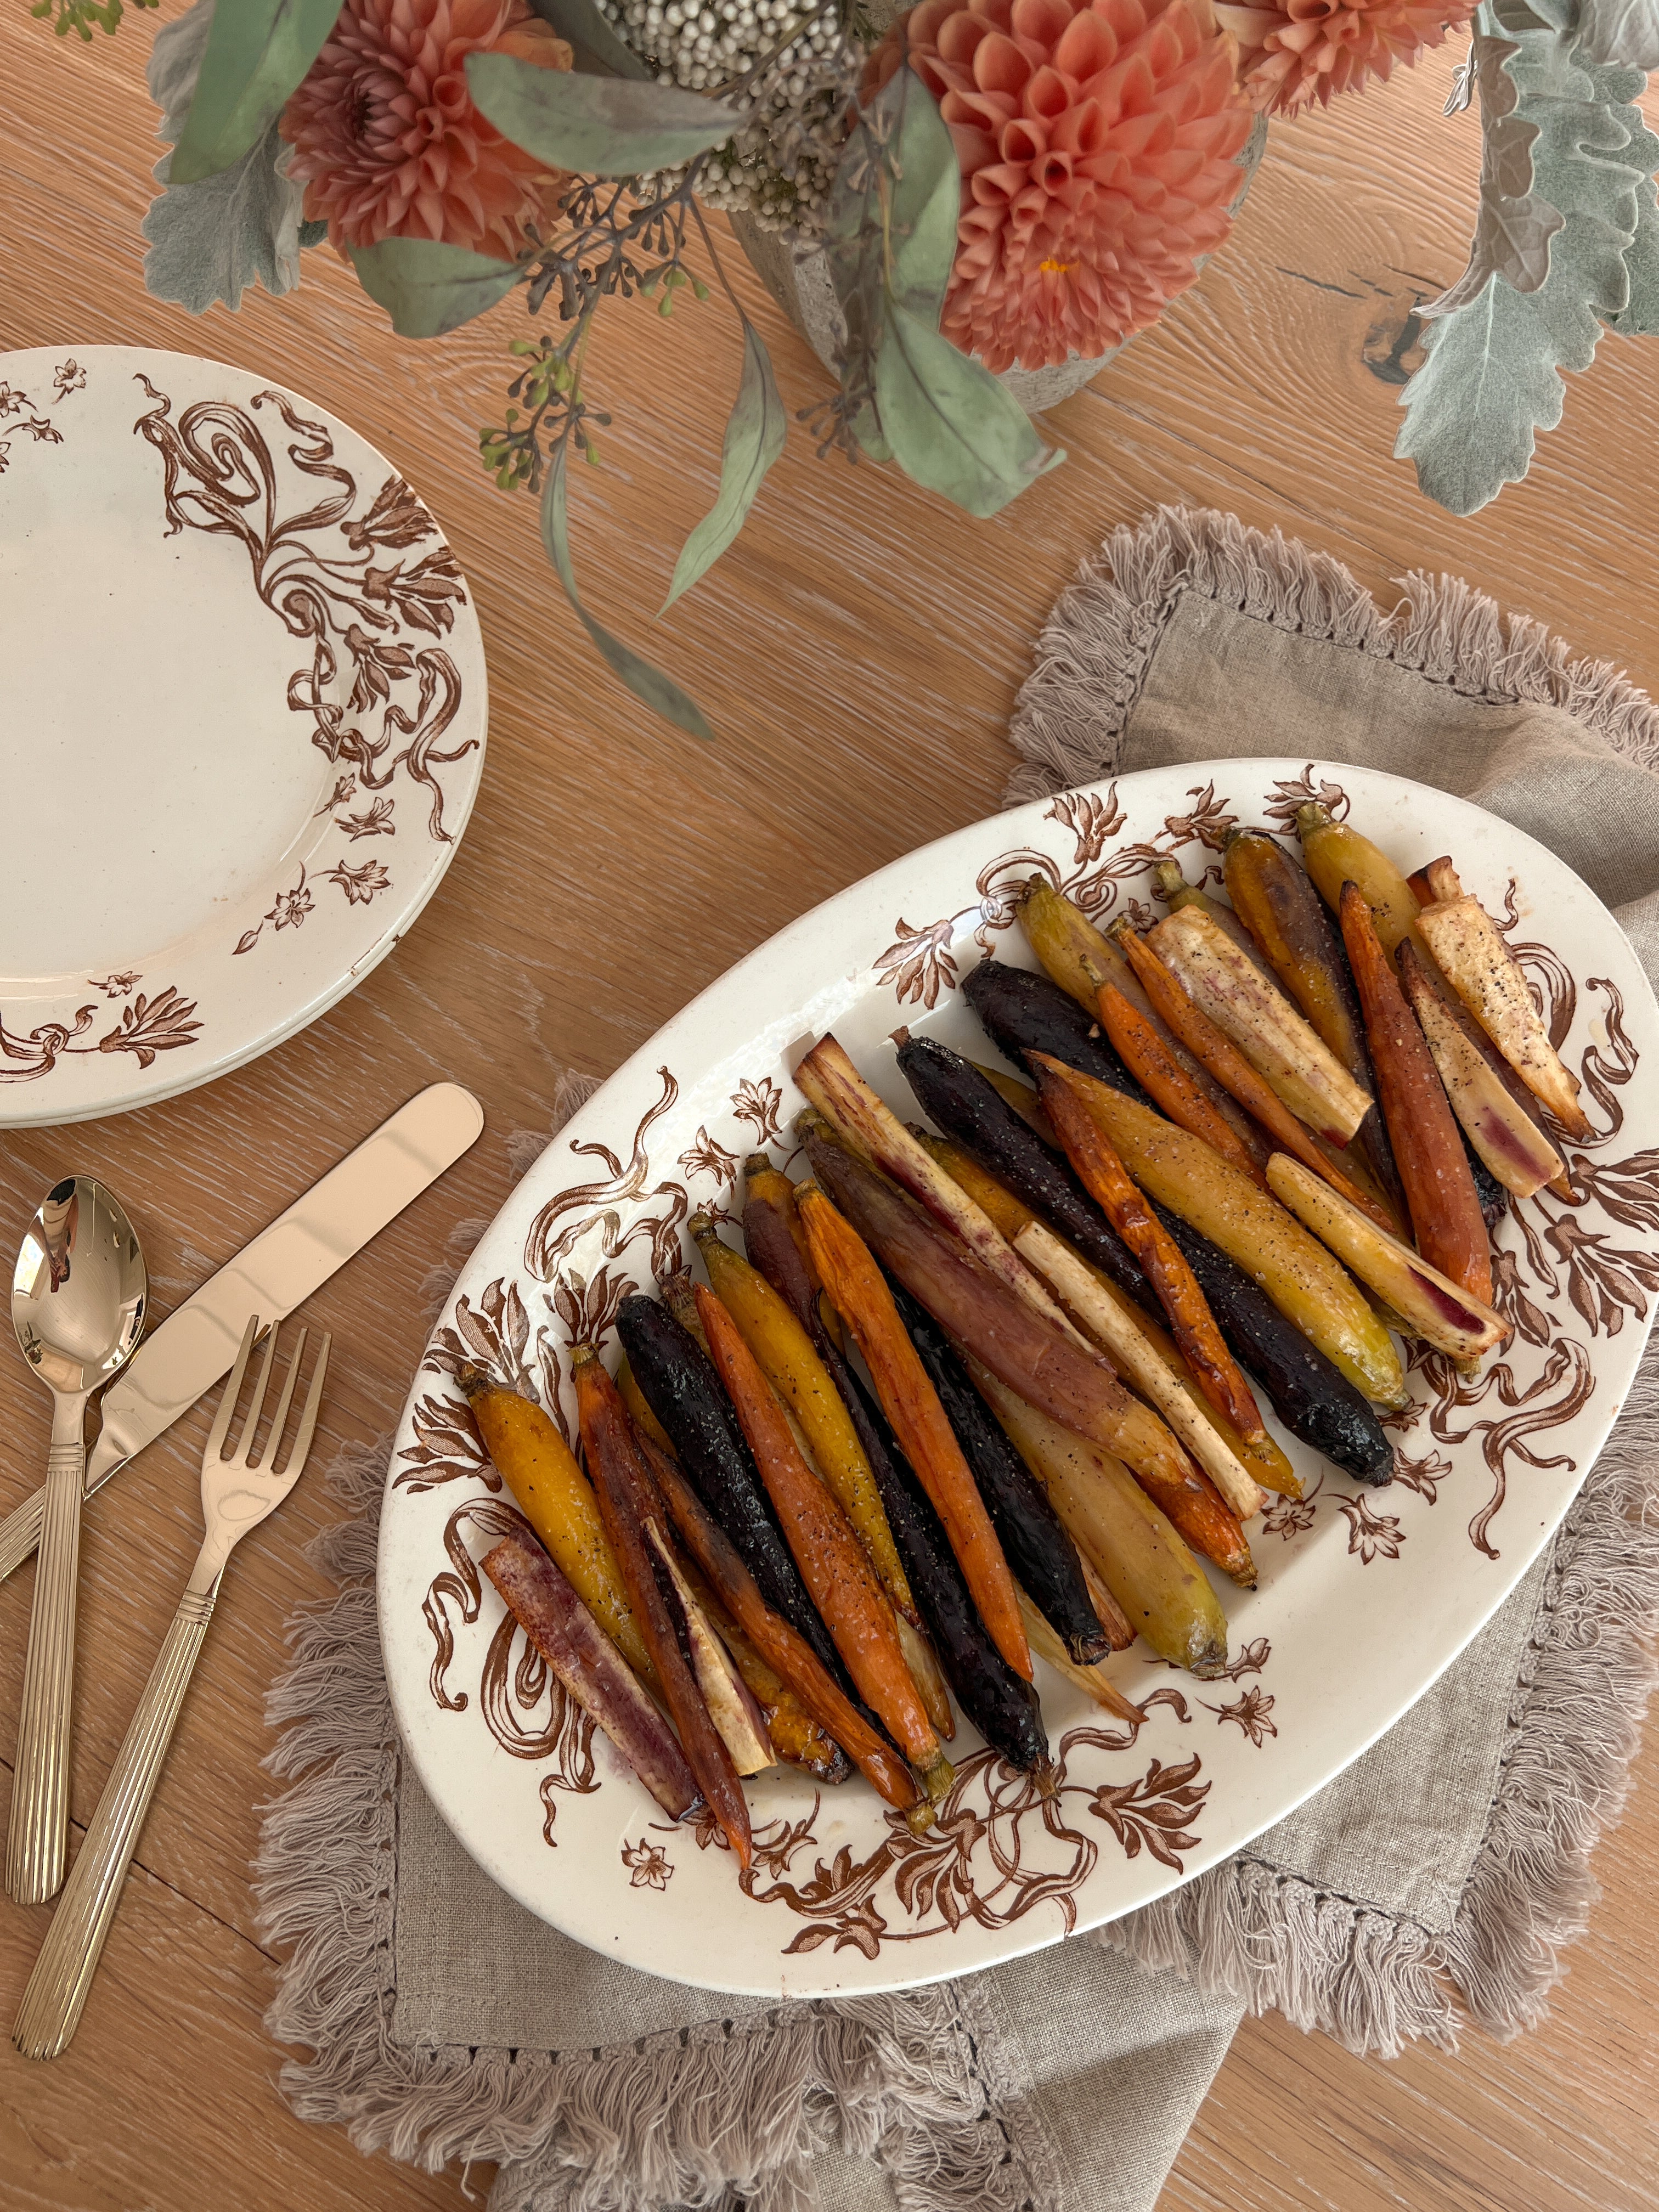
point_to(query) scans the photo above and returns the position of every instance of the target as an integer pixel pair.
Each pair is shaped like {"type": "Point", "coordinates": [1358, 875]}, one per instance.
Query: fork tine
{"type": "Point", "coordinates": [279, 1419]}
{"type": "Point", "coordinates": [232, 1390]}
{"type": "Point", "coordinates": [245, 1442]}
{"type": "Point", "coordinates": [296, 1458]}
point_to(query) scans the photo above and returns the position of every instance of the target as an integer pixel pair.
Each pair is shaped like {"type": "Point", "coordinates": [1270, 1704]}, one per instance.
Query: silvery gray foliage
{"type": "Point", "coordinates": [210, 241]}
{"type": "Point", "coordinates": [1626, 32]}
{"type": "Point", "coordinates": [1513, 224]}
{"type": "Point", "coordinates": [1492, 378]}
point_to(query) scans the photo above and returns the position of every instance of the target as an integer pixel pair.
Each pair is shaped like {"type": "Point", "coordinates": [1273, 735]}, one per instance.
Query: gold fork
{"type": "Point", "coordinates": [238, 1492]}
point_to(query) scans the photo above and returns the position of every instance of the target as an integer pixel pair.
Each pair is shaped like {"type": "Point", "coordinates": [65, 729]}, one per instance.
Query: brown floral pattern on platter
{"type": "Point", "coordinates": [365, 590]}
{"type": "Point", "coordinates": [1249, 1713]}
{"type": "Point", "coordinates": [647, 1865]}
{"type": "Point", "coordinates": [986, 1859]}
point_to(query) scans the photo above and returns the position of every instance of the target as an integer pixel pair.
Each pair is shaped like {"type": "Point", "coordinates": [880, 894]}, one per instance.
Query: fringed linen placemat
{"type": "Point", "coordinates": [1439, 1877]}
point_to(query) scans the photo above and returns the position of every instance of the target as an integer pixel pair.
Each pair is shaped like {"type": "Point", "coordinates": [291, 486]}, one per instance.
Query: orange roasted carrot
{"type": "Point", "coordinates": [1217, 1053]}
{"type": "Point", "coordinates": [627, 1509]}
{"type": "Point", "coordinates": [855, 1287]}
{"type": "Point", "coordinates": [1445, 1211]}
{"type": "Point", "coordinates": [1155, 1067]}
{"type": "Point", "coordinates": [838, 1577]}
{"type": "Point", "coordinates": [786, 1653]}
{"type": "Point", "coordinates": [1107, 1182]}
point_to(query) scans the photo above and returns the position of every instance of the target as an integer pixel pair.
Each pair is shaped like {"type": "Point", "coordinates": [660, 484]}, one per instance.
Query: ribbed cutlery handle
{"type": "Point", "coordinates": [68, 1958]}
{"type": "Point", "coordinates": [20, 1532]}
{"type": "Point", "coordinates": [40, 1803]}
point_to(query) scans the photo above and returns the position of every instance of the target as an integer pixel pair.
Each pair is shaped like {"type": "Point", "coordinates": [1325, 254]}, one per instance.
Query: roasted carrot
{"type": "Point", "coordinates": [1109, 1182]}
{"type": "Point", "coordinates": [772, 1636]}
{"type": "Point", "coordinates": [786, 1358]}
{"type": "Point", "coordinates": [1445, 1210]}
{"type": "Point", "coordinates": [768, 1214]}
{"type": "Point", "coordinates": [911, 1404]}
{"type": "Point", "coordinates": [626, 1505]}
{"type": "Point", "coordinates": [842, 1582]}
{"type": "Point", "coordinates": [541, 1472]}
{"type": "Point", "coordinates": [1229, 1068]}
{"type": "Point", "coordinates": [1143, 1053]}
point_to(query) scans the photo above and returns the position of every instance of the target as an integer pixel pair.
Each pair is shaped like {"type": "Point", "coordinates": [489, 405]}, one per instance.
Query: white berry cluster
{"type": "Point", "coordinates": [779, 168]}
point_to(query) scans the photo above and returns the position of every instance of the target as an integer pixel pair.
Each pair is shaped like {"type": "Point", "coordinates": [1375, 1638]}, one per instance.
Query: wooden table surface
{"type": "Point", "coordinates": [859, 651]}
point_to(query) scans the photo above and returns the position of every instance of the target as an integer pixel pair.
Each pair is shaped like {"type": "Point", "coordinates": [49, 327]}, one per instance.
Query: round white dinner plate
{"type": "Point", "coordinates": [1364, 1594]}
{"type": "Point", "coordinates": [241, 726]}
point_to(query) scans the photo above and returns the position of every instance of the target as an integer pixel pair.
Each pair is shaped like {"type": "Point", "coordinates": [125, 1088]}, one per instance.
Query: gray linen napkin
{"type": "Point", "coordinates": [1448, 1865]}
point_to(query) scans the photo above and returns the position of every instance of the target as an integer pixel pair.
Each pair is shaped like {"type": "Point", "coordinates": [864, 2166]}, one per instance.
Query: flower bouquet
{"type": "Point", "coordinates": [982, 196]}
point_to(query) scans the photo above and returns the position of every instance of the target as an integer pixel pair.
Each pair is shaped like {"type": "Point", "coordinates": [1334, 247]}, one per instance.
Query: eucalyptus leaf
{"type": "Point", "coordinates": [1514, 224]}
{"type": "Point", "coordinates": [952, 425]}
{"type": "Point", "coordinates": [1491, 379]}
{"type": "Point", "coordinates": [257, 51]}
{"type": "Point", "coordinates": [212, 239]}
{"type": "Point", "coordinates": [646, 682]}
{"type": "Point", "coordinates": [428, 288]}
{"type": "Point", "coordinates": [591, 37]}
{"type": "Point", "coordinates": [754, 438]}
{"type": "Point", "coordinates": [596, 126]}
{"type": "Point", "coordinates": [926, 203]}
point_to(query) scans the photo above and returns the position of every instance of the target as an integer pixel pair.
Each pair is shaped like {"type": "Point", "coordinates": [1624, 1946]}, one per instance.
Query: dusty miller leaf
{"type": "Point", "coordinates": [1640, 318]}
{"type": "Point", "coordinates": [257, 52]}
{"type": "Point", "coordinates": [1492, 375]}
{"type": "Point", "coordinates": [1626, 32]}
{"type": "Point", "coordinates": [211, 240]}
{"type": "Point", "coordinates": [1514, 225]}
{"type": "Point", "coordinates": [952, 425]}
{"type": "Point", "coordinates": [598, 126]}
{"type": "Point", "coordinates": [591, 37]}
{"type": "Point", "coordinates": [428, 289]}
{"type": "Point", "coordinates": [646, 682]}
{"type": "Point", "coordinates": [754, 438]}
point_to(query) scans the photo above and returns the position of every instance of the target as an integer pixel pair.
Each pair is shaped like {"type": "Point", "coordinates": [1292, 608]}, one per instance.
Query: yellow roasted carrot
{"type": "Point", "coordinates": [793, 1369]}
{"type": "Point", "coordinates": [1310, 1287]}
{"type": "Point", "coordinates": [540, 1469]}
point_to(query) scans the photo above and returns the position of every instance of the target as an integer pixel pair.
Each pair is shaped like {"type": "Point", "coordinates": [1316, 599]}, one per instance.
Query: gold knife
{"type": "Point", "coordinates": [284, 1264]}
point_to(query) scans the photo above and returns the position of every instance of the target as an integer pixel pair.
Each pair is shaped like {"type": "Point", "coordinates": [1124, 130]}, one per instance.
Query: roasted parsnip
{"type": "Point", "coordinates": [1224, 1061]}
{"type": "Point", "coordinates": [1275, 900]}
{"type": "Point", "coordinates": [1445, 1211]}
{"type": "Point", "coordinates": [1256, 1015]}
{"type": "Point", "coordinates": [1469, 948]}
{"type": "Point", "coordinates": [1429, 1303]}
{"type": "Point", "coordinates": [1509, 1140]}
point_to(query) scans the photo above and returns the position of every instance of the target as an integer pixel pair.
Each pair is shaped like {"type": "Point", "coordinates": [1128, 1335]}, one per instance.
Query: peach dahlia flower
{"type": "Point", "coordinates": [1298, 50]}
{"type": "Point", "coordinates": [386, 140]}
{"type": "Point", "coordinates": [1098, 142]}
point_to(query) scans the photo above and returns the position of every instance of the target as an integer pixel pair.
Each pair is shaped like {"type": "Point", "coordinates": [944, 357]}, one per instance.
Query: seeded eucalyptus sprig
{"type": "Point", "coordinates": [81, 15]}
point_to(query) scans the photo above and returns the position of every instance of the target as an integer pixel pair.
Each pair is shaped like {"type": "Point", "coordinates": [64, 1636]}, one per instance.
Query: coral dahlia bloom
{"type": "Point", "coordinates": [1097, 141]}
{"type": "Point", "coordinates": [386, 140]}
{"type": "Point", "coordinates": [1298, 50]}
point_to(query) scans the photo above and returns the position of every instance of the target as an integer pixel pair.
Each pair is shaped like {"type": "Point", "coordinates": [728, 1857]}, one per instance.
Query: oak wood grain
{"type": "Point", "coordinates": [858, 651]}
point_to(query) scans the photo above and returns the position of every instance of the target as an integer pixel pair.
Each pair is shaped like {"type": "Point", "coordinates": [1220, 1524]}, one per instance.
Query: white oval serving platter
{"type": "Point", "coordinates": [243, 724]}
{"type": "Point", "coordinates": [1364, 1594]}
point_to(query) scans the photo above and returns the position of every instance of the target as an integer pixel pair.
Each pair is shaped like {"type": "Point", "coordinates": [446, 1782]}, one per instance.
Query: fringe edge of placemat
{"type": "Point", "coordinates": [1375, 1980]}
{"type": "Point", "coordinates": [1095, 649]}
{"type": "Point", "coordinates": [712, 2115]}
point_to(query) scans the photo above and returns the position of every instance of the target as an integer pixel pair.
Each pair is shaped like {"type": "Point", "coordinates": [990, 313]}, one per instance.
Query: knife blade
{"type": "Point", "coordinates": [285, 1264]}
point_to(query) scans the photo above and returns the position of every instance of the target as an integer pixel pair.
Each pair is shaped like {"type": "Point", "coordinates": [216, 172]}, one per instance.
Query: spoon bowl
{"type": "Point", "coordinates": [79, 1295]}
{"type": "Point", "coordinates": [79, 1288]}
